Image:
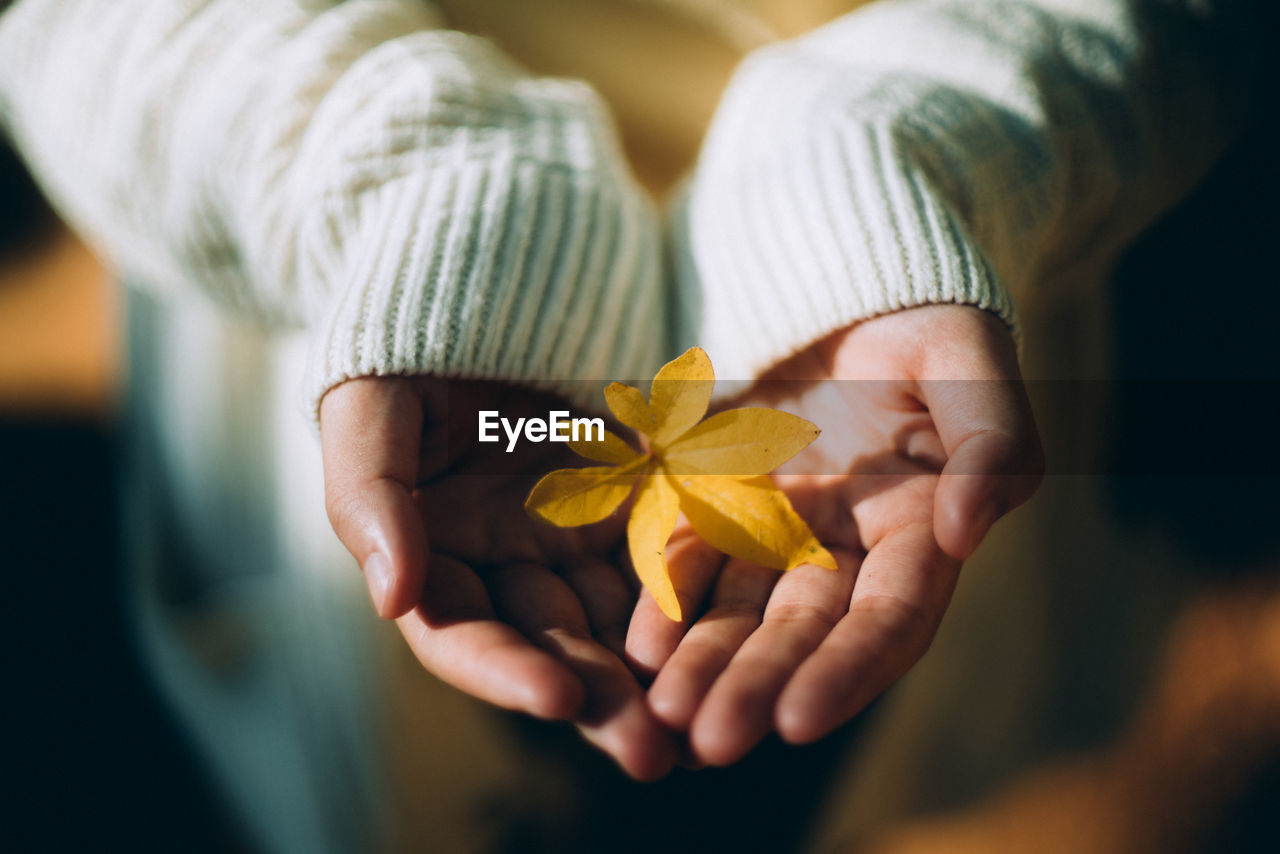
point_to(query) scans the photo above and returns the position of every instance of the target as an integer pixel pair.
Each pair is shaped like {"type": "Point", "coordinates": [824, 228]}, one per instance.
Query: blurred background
{"type": "Point", "coordinates": [1130, 706]}
{"type": "Point", "coordinates": [96, 756]}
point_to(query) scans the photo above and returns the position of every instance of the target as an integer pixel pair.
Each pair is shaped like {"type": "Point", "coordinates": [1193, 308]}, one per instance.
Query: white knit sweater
{"type": "Point", "coordinates": [422, 205]}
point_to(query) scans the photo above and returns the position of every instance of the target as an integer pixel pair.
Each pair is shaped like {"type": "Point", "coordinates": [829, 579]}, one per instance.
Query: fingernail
{"type": "Point", "coordinates": [378, 575]}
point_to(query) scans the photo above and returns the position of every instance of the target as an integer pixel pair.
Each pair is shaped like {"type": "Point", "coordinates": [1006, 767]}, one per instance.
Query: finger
{"type": "Point", "coordinates": [614, 716]}
{"type": "Point", "coordinates": [739, 709]}
{"type": "Point", "coordinates": [983, 417]}
{"type": "Point", "coordinates": [457, 637]}
{"type": "Point", "coordinates": [902, 591]}
{"type": "Point", "coordinates": [370, 431]}
{"type": "Point", "coordinates": [652, 635]}
{"type": "Point", "coordinates": [736, 609]}
{"type": "Point", "coordinates": [607, 599]}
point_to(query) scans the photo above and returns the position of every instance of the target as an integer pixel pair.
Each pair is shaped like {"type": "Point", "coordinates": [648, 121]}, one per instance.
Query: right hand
{"type": "Point", "coordinates": [515, 612]}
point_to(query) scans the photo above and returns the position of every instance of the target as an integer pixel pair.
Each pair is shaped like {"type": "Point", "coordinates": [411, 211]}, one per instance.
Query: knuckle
{"type": "Point", "coordinates": [804, 613]}
{"type": "Point", "coordinates": [904, 625]}
{"type": "Point", "coordinates": [342, 508]}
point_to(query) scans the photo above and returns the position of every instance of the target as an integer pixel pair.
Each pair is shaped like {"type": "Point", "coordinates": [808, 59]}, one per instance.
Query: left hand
{"type": "Point", "coordinates": [928, 440]}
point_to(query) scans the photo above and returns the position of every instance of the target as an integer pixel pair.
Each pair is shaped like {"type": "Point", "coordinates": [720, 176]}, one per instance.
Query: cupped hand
{"type": "Point", "coordinates": [927, 440]}
{"type": "Point", "coordinates": [525, 616]}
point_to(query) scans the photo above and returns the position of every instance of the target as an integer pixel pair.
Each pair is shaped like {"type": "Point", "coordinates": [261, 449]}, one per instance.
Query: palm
{"type": "Point", "coordinates": [803, 651]}
{"type": "Point", "coordinates": [875, 473]}
{"type": "Point", "coordinates": [457, 475]}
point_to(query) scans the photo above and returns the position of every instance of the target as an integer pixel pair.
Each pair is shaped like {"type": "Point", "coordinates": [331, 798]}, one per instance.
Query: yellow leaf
{"type": "Point", "coordinates": [714, 472]}
{"type": "Point", "coordinates": [611, 449]}
{"type": "Point", "coordinates": [680, 395]}
{"type": "Point", "coordinates": [653, 518]}
{"type": "Point", "coordinates": [740, 442]}
{"type": "Point", "coordinates": [628, 405]}
{"type": "Point", "coordinates": [570, 497]}
{"type": "Point", "coordinates": [751, 519]}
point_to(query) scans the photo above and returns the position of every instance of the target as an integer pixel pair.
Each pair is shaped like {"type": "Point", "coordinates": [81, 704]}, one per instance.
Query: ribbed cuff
{"type": "Point", "coordinates": [805, 217]}
{"type": "Point", "coordinates": [498, 269]}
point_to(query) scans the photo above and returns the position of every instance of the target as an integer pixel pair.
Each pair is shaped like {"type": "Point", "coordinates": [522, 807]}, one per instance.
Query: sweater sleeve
{"type": "Point", "coordinates": [406, 193]}
{"type": "Point", "coordinates": [932, 151]}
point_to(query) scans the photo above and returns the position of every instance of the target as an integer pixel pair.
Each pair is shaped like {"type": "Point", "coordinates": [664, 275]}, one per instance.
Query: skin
{"type": "Point", "coordinates": [517, 613]}
{"type": "Point", "coordinates": [916, 462]}
{"type": "Point", "coordinates": [910, 473]}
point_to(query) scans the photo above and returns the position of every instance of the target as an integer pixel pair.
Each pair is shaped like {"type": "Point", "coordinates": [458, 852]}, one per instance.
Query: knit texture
{"type": "Point", "coordinates": [410, 195]}
{"type": "Point", "coordinates": [945, 151]}
{"type": "Point", "coordinates": [421, 205]}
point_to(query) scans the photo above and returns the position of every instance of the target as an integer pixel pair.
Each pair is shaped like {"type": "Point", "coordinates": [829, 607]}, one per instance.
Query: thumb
{"type": "Point", "coordinates": [370, 434]}
{"type": "Point", "coordinates": [994, 458]}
